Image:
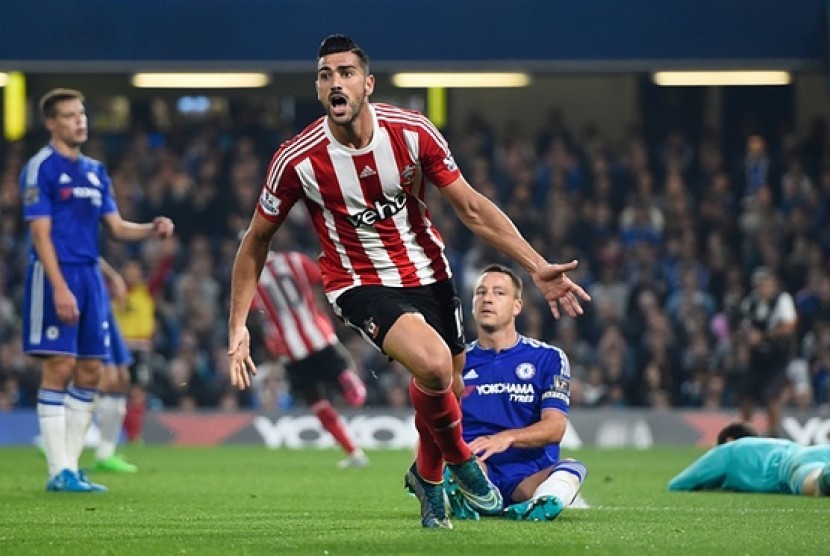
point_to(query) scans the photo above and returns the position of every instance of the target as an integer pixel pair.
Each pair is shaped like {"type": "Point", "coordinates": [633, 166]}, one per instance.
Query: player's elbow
{"type": "Point", "coordinates": [259, 233]}
{"type": "Point", "coordinates": [115, 227]}
{"type": "Point", "coordinates": [471, 212]}
{"type": "Point", "coordinates": [255, 242]}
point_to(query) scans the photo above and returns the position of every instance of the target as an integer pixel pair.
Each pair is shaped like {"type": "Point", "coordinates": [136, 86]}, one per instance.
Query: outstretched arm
{"type": "Point", "coordinates": [250, 258]}
{"type": "Point", "coordinates": [707, 472]}
{"type": "Point", "coordinates": [488, 222]}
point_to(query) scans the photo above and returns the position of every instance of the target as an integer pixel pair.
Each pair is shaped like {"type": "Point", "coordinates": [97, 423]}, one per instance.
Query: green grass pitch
{"type": "Point", "coordinates": [251, 500]}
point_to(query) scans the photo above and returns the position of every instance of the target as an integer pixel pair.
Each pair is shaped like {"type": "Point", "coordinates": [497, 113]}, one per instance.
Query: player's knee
{"type": "Point", "coordinates": [434, 368]}
{"type": "Point", "coordinates": [58, 370]}
{"type": "Point", "coordinates": [88, 373]}
{"type": "Point", "coordinates": [123, 378]}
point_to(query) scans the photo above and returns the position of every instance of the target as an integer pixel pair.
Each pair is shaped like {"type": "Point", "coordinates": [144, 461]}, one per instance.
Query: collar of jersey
{"type": "Point", "coordinates": [519, 338]}
{"type": "Point", "coordinates": [64, 157]}
{"type": "Point", "coordinates": [367, 148]}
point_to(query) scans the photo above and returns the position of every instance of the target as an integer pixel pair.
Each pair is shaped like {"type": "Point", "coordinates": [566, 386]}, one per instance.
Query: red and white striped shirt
{"type": "Point", "coordinates": [295, 324]}
{"type": "Point", "coordinates": [367, 205]}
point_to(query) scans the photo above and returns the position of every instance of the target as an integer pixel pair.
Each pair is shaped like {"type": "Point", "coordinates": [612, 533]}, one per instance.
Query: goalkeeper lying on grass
{"type": "Point", "coordinates": [744, 462]}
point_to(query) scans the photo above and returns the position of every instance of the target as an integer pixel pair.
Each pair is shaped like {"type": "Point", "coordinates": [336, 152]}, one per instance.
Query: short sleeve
{"type": "Point", "coordinates": [36, 191]}
{"type": "Point", "coordinates": [436, 159]}
{"type": "Point", "coordinates": [556, 386]}
{"type": "Point", "coordinates": [281, 189]}
{"type": "Point", "coordinates": [108, 205]}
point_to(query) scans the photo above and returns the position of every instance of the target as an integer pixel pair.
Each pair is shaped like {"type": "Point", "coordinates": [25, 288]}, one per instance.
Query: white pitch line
{"type": "Point", "coordinates": [706, 510]}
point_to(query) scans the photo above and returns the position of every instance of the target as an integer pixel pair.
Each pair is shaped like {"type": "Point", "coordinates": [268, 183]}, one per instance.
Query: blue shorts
{"type": "Point", "coordinates": [507, 476]}
{"type": "Point", "coordinates": [119, 353]}
{"type": "Point", "coordinates": [45, 334]}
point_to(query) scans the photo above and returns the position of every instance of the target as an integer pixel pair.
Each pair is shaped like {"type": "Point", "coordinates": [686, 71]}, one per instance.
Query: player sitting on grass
{"type": "Point", "coordinates": [744, 462]}
{"type": "Point", "coordinates": [516, 394]}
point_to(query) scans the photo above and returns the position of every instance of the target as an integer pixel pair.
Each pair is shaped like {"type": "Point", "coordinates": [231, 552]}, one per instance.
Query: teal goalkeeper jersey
{"type": "Point", "coordinates": [749, 464]}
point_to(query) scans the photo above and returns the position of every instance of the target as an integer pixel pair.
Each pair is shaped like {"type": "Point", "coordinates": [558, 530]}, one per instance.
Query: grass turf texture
{"type": "Point", "coordinates": [250, 500]}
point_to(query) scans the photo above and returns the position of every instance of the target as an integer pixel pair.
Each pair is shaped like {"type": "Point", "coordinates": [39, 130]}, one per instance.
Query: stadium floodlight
{"type": "Point", "coordinates": [720, 78]}
{"type": "Point", "coordinates": [169, 80]}
{"type": "Point", "coordinates": [460, 80]}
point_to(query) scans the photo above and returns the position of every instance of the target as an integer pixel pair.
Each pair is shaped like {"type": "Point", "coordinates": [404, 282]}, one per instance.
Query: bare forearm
{"type": "Point", "coordinates": [45, 250]}
{"type": "Point", "coordinates": [537, 435]}
{"type": "Point", "coordinates": [246, 270]}
{"type": "Point", "coordinates": [109, 272]}
{"type": "Point", "coordinates": [132, 231]}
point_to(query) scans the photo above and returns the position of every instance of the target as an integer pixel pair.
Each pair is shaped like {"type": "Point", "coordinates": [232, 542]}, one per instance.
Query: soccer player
{"type": "Point", "coordinates": [66, 196]}
{"type": "Point", "coordinates": [113, 387]}
{"type": "Point", "coordinates": [362, 171]}
{"type": "Point", "coordinates": [744, 462]}
{"type": "Point", "coordinates": [296, 331]}
{"type": "Point", "coordinates": [515, 407]}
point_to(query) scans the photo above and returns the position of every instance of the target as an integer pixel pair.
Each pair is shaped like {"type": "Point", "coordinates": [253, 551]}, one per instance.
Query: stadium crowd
{"type": "Point", "coordinates": [668, 234]}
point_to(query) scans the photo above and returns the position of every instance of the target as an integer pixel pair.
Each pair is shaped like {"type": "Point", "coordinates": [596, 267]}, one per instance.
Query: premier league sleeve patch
{"type": "Point", "coordinates": [559, 390]}
{"type": "Point", "coordinates": [269, 203]}
{"type": "Point", "coordinates": [31, 196]}
{"type": "Point", "coordinates": [562, 384]}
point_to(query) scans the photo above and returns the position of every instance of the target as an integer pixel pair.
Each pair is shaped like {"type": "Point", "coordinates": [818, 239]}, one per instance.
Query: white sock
{"type": "Point", "coordinates": [564, 482]}
{"type": "Point", "coordinates": [52, 419]}
{"type": "Point", "coordinates": [110, 410]}
{"type": "Point", "coordinates": [79, 404]}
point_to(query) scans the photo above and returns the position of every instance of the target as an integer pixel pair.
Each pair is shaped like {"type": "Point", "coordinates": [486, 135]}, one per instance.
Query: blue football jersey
{"type": "Point", "coordinates": [510, 388]}
{"type": "Point", "coordinates": [76, 194]}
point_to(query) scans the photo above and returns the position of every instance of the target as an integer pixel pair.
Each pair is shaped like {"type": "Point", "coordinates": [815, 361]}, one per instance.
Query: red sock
{"type": "Point", "coordinates": [332, 422]}
{"type": "Point", "coordinates": [430, 461]}
{"type": "Point", "coordinates": [354, 391]}
{"type": "Point", "coordinates": [442, 416]}
{"type": "Point", "coordinates": [134, 421]}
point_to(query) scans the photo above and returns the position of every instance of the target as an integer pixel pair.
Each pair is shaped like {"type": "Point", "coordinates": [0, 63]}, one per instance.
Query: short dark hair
{"type": "Point", "coordinates": [50, 100]}
{"type": "Point", "coordinates": [341, 43]}
{"type": "Point", "coordinates": [517, 282]}
{"type": "Point", "coordinates": [761, 274]}
{"type": "Point", "coordinates": [734, 431]}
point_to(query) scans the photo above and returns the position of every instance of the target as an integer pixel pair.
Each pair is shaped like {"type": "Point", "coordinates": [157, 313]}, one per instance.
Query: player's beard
{"type": "Point", "coordinates": [355, 108]}
{"type": "Point", "coordinates": [488, 328]}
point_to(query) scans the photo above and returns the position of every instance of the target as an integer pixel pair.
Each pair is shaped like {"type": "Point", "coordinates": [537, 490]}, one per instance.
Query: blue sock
{"type": "Point", "coordinates": [573, 467]}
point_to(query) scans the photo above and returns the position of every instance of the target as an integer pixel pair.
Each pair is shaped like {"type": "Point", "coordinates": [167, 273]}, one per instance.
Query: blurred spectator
{"type": "Point", "coordinates": [757, 169]}
{"type": "Point", "coordinates": [768, 327]}
{"type": "Point", "coordinates": [667, 233]}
